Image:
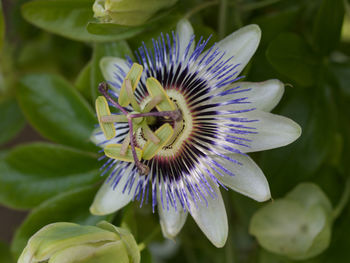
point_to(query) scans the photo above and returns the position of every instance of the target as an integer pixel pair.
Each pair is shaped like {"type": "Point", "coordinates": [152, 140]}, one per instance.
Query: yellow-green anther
{"type": "Point", "coordinates": [114, 118]}
{"type": "Point", "coordinates": [134, 76]}
{"type": "Point", "coordinates": [130, 93]}
{"type": "Point", "coordinates": [164, 133]}
{"type": "Point", "coordinates": [125, 145]}
{"type": "Point", "coordinates": [113, 151]}
{"type": "Point", "coordinates": [149, 134]}
{"type": "Point", "coordinates": [152, 103]}
{"type": "Point", "coordinates": [102, 109]}
{"type": "Point", "coordinates": [155, 89]}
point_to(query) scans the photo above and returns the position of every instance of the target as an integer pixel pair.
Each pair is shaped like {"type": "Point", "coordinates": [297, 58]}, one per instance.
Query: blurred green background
{"type": "Point", "coordinates": [50, 50]}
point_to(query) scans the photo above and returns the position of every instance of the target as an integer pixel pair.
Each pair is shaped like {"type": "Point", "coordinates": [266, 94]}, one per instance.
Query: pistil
{"type": "Point", "coordinates": [175, 115]}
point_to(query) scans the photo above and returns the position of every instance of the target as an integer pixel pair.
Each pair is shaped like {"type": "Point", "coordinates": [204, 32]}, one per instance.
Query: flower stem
{"type": "Point", "coordinates": [200, 7]}
{"type": "Point", "coordinates": [148, 239]}
{"type": "Point", "coordinates": [343, 200]}
{"type": "Point", "coordinates": [257, 5]}
{"type": "Point", "coordinates": [222, 18]}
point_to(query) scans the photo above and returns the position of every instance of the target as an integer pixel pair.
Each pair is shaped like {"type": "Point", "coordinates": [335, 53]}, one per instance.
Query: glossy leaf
{"type": "Point", "coordinates": [32, 173]}
{"type": "Point", "coordinates": [64, 17]}
{"type": "Point", "coordinates": [290, 55]}
{"type": "Point", "coordinates": [328, 25]}
{"type": "Point", "coordinates": [5, 254]}
{"type": "Point", "coordinates": [12, 120]}
{"type": "Point", "coordinates": [71, 206]}
{"type": "Point", "coordinates": [56, 110]}
{"type": "Point", "coordinates": [114, 49]}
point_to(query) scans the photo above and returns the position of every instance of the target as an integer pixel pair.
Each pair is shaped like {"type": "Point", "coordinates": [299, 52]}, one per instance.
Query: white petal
{"type": "Point", "coordinates": [171, 220]}
{"type": "Point", "coordinates": [110, 70]}
{"type": "Point", "coordinates": [109, 200]}
{"type": "Point", "coordinates": [263, 96]}
{"type": "Point", "coordinates": [241, 44]}
{"type": "Point", "coordinates": [184, 31]}
{"type": "Point", "coordinates": [273, 131]}
{"type": "Point", "coordinates": [248, 178]}
{"type": "Point", "coordinates": [211, 219]}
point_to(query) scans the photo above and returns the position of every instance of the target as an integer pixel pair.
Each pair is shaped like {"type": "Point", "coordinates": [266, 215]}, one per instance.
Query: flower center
{"type": "Point", "coordinates": [182, 128]}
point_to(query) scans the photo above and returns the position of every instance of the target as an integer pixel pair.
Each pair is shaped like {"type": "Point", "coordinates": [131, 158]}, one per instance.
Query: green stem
{"type": "Point", "coordinates": [260, 4]}
{"type": "Point", "coordinates": [343, 200]}
{"type": "Point", "coordinates": [148, 239]}
{"type": "Point", "coordinates": [200, 8]}
{"type": "Point", "coordinates": [222, 16]}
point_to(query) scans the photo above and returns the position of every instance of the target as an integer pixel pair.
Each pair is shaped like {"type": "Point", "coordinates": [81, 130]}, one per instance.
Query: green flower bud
{"type": "Point", "coordinates": [69, 243]}
{"type": "Point", "coordinates": [128, 12]}
{"type": "Point", "coordinates": [297, 226]}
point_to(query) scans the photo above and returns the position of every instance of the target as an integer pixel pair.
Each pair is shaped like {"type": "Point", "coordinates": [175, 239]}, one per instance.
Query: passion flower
{"type": "Point", "coordinates": [184, 128]}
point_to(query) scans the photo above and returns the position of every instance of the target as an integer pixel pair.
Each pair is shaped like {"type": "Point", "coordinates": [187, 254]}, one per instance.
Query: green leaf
{"type": "Point", "coordinates": [300, 160]}
{"type": "Point", "coordinates": [32, 173]}
{"type": "Point", "coordinates": [2, 28]}
{"type": "Point", "coordinates": [5, 254]}
{"type": "Point", "coordinates": [12, 120]}
{"type": "Point", "coordinates": [82, 83]}
{"type": "Point", "coordinates": [71, 206]}
{"type": "Point", "coordinates": [91, 75]}
{"type": "Point", "coordinates": [290, 56]}
{"type": "Point", "coordinates": [64, 17]}
{"type": "Point", "coordinates": [328, 25]}
{"type": "Point", "coordinates": [118, 31]}
{"type": "Point", "coordinates": [57, 110]}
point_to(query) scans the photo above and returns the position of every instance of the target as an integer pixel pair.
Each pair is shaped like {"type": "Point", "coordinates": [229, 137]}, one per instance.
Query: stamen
{"type": "Point", "coordinates": [152, 103]}
{"type": "Point", "coordinates": [143, 169]}
{"type": "Point", "coordinates": [114, 118]}
{"type": "Point", "coordinates": [130, 94]}
{"type": "Point", "coordinates": [125, 145]}
{"type": "Point", "coordinates": [150, 134]}
{"type": "Point", "coordinates": [175, 115]}
{"type": "Point", "coordinates": [103, 89]}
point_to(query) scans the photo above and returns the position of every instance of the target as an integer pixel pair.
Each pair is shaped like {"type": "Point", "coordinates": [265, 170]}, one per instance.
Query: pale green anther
{"type": "Point", "coordinates": [152, 103]}
{"type": "Point", "coordinates": [164, 133]}
{"type": "Point", "coordinates": [102, 109]}
{"type": "Point", "coordinates": [131, 96]}
{"type": "Point", "coordinates": [149, 134]}
{"type": "Point", "coordinates": [155, 89]}
{"type": "Point", "coordinates": [125, 145]}
{"type": "Point", "coordinates": [114, 118]}
{"type": "Point", "coordinates": [113, 151]}
{"type": "Point", "coordinates": [134, 76]}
